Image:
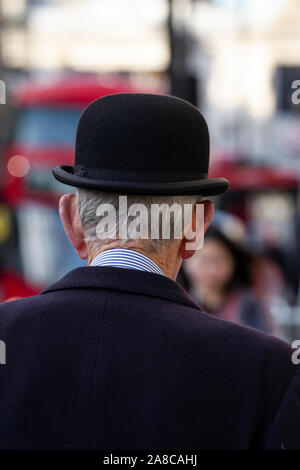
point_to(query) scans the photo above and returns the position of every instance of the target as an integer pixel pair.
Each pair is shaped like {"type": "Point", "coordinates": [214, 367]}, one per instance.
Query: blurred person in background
{"type": "Point", "coordinates": [270, 285]}
{"type": "Point", "coordinates": [221, 281]}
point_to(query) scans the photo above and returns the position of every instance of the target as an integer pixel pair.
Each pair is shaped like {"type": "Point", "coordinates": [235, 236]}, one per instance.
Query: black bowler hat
{"type": "Point", "coordinates": [142, 144]}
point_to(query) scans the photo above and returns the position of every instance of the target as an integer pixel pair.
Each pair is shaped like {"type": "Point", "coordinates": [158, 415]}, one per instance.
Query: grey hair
{"type": "Point", "coordinates": [89, 201]}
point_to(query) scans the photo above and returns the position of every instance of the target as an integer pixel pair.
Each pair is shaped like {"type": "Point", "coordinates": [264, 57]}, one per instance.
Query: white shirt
{"type": "Point", "coordinates": [124, 258]}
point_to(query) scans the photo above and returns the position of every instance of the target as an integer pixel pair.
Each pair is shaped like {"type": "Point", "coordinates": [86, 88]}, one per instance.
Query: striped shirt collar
{"type": "Point", "coordinates": [124, 258]}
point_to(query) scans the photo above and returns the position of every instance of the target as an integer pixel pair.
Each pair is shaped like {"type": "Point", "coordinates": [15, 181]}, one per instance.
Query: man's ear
{"type": "Point", "coordinates": [199, 227]}
{"type": "Point", "coordinates": [68, 211]}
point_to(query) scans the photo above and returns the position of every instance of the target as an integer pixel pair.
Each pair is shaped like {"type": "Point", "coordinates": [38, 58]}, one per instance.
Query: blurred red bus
{"type": "Point", "coordinates": [40, 136]}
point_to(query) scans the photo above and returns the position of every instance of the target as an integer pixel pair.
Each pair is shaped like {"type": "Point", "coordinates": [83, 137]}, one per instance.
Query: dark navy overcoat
{"type": "Point", "coordinates": [112, 358]}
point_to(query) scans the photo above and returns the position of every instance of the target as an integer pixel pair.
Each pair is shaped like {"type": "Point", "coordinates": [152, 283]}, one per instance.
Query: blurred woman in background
{"type": "Point", "coordinates": [220, 279]}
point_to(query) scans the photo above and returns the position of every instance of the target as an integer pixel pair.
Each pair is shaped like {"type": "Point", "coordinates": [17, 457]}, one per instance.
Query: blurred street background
{"type": "Point", "coordinates": [237, 60]}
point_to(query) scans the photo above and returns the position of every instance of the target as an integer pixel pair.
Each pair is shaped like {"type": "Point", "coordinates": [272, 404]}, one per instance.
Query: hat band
{"type": "Point", "coordinates": [136, 176]}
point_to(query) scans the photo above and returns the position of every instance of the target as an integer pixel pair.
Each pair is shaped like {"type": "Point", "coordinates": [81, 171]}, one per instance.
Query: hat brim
{"type": "Point", "coordinates": [204, 186]}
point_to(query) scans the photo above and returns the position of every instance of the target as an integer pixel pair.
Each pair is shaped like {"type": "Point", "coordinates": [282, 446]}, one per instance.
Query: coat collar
{"type": "Point", "coordinates": [126, 280]}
